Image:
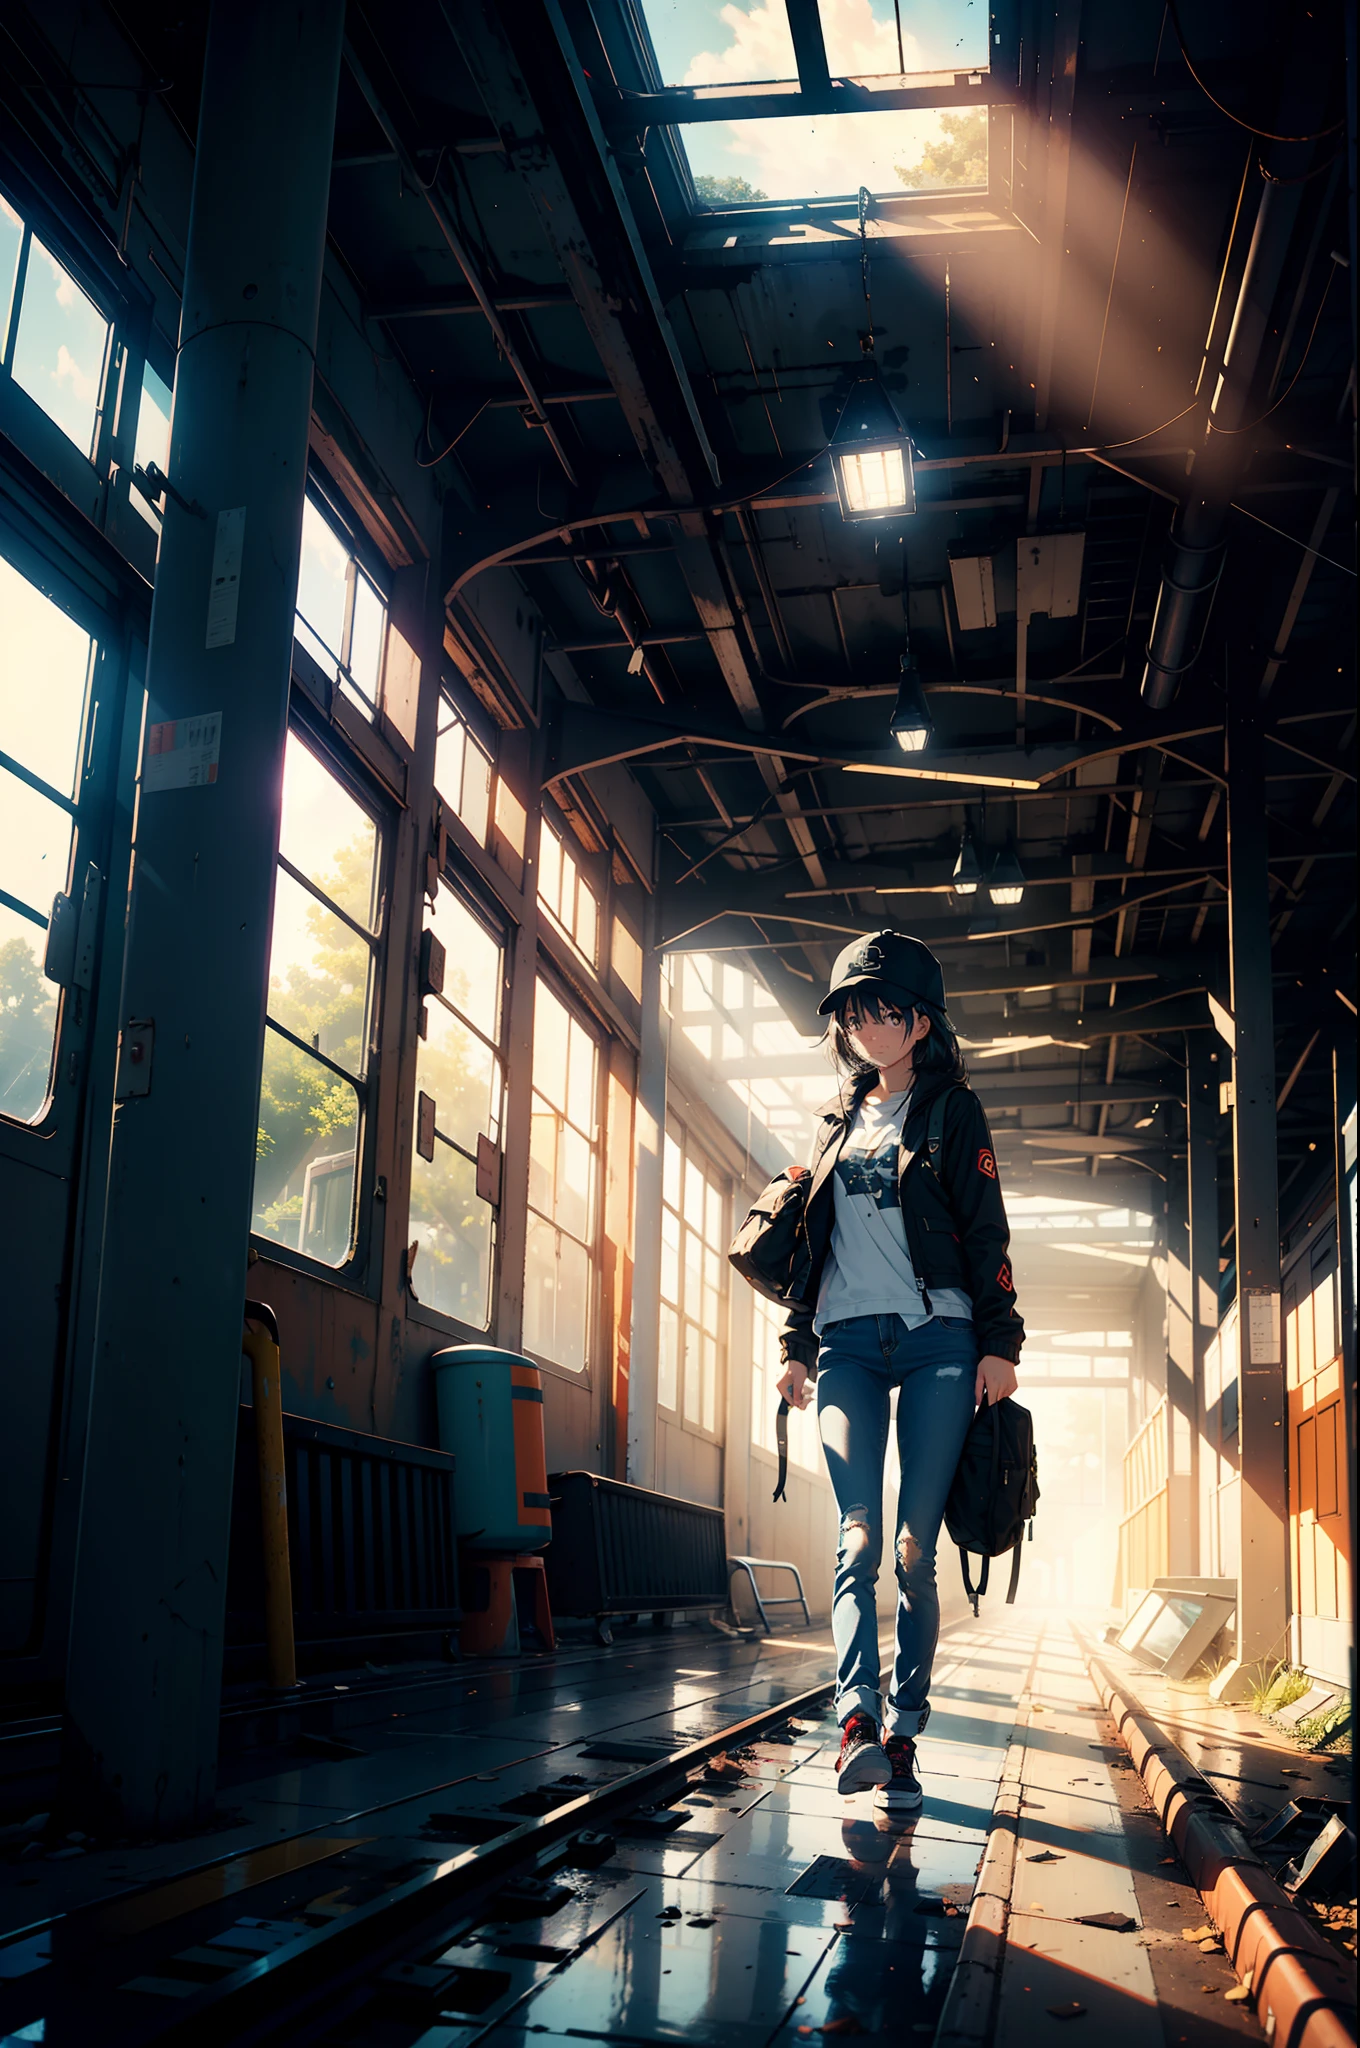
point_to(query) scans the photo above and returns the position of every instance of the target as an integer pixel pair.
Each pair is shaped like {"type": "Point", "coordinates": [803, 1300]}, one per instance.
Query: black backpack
{"type": "Point", "coordinates": [995, 1492]}
{"type": "Point", "coordinates": [765, 1249]}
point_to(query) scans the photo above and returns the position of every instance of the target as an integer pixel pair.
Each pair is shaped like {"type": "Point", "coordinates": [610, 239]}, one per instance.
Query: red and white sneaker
{"type": "Point", "coordinates": [902, 1793]}
{"type": "Point", "coordinates": [861, 1762]}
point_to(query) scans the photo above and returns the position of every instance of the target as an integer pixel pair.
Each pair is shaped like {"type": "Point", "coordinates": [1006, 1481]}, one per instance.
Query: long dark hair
{"type": "Point", "coordinates": [937, 1053]}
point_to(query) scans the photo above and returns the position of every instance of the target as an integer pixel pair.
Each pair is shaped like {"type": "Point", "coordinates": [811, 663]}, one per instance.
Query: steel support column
{"type": "Point", "coordinates": [1203, 1071]}
{"type": "Point", "coordinates": [1262, 1502]}
{"type": "Point", "coordinates": [649, 1132]}
{"type": "Point", "coordinates": [145, 1660]}
{"type": "Point", "coordinates": [1182, 1407]}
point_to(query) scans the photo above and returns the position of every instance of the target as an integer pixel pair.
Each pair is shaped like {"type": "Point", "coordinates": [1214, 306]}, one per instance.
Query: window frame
{"type": "Point", "coordinates": [546, 974]}
{"type": "Point", "coordinates": [714, 1178]}
{"type": "Point", "coordinates": [364, 560]}
{"type": "Point", "coordinates": [664, 110]}
{"type": "Point", "coordinates": [360, 1269]}
{"type": "Point", "coordinates": [461, 883]}
{"type": "Point", "coordinates": [48, 557]}
{"type": "Point", "coordinates": [597, 966]}
{"type": "Point", "coordinates": [452, 709]}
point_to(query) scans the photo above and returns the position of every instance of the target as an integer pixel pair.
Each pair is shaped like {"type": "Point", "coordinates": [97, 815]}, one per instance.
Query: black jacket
{"type": "Point", "coordinates": [955, 1219]}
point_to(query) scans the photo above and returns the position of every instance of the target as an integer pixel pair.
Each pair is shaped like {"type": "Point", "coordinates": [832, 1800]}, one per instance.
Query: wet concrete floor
{"type": "Point", "coordinates": [776, 1912]}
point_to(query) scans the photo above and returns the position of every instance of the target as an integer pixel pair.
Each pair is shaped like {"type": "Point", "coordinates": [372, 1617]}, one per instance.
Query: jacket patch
{"type": "Point", "coordinates": [1003, 1278]}
{"type": "Point", "coordinates": [986, 1163]}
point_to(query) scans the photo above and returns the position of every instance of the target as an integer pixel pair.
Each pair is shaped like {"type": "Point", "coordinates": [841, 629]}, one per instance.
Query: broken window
{"type": "Point", "coordinates": [563, 1223]}
{"type": "Point", "coordinates": [455, 1171]}
{"type": "Point", "coordinates": [53, 338]}
{"type": "Point", "coordinates": [323, 956]}
{"type": "Point", "coordinates": [46, 661]}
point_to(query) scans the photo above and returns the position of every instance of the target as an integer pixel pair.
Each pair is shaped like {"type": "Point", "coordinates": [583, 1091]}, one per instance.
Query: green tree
{"type": "Point", "coordinates": [731, 191]}
{"type": "Point", "coordinates": [28, 1017]}
{"type": "Point", "coordinates": [958, 158]}
{"type": "Point", "coordinates": [303, 1106]}
{"type": "Point", "coordinates": [453, 1226]}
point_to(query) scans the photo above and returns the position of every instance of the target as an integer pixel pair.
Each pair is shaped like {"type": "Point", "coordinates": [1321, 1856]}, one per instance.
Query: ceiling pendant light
{"type": "Point", "coordinates": [1006, 880]}
{"type": "Point", "coordinates": [910, 723]}
{"type": "Point", "coordinates": [871, 453]}
{"type": "Point", "coordinates": [871, 449]}
{"type": "Point", "coordinates": [967, 868]}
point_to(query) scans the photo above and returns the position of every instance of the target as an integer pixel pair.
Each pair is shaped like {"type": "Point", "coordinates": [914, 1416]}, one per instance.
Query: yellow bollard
{"type": "Point", "coordinates": [261, 1347]}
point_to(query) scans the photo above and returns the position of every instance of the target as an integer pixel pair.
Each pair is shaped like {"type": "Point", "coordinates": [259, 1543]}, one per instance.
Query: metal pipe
{"type": "Point", "coordinates": [261, 1347]}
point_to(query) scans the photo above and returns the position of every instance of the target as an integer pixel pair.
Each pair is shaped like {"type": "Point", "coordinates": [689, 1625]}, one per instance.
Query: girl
{"type": "Point", "coordinates": [907, 1263]}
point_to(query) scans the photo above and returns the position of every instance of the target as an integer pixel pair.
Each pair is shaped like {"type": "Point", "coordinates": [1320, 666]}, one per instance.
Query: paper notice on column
{"type": "Point", "coordinates": [1263, 1326]}
{"type": "Point", "coordinates": [182, 753]}
{"type": "Point", "coordinates": [225, 589]}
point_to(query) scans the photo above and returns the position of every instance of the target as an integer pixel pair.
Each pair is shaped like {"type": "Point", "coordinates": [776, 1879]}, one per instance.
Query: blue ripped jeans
{"type": "Point", "coordinates": [934, 1368]}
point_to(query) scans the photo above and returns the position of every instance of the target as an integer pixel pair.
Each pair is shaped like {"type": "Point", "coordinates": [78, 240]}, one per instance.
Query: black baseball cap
{"type": "Point", "coordinates": [904, 970]}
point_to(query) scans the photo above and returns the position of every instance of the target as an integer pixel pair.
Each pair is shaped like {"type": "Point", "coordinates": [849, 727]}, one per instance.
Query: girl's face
{"type": "Point", "coordinates": [880, 1033]}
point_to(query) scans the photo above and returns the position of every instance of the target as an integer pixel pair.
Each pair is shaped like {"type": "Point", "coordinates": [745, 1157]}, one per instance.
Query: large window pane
{"type": "Point", "coordinates": [668, 1360]}
{"type": "Point", "coordinates": [551, 1028]}
{"type": "Point", "coordinates": [582, 1077]}
{"type": "Point", "coordinates": [305, 1154]}
{"type": "Point", "coordinates": [61, 345]}
{"type": "Point", "coordinates": [462, 1074]}
{"type": "Point", "coordinates": [321, 580]}
{"type": "Point", "coordinates": [321, 976]}
{"type": "Point", "coordinates": [462, 772]}
{"type": "Point", "coordinates": [556, 1296]}
{"type": "Point", "coordinates": [318, 976]}
{"type": "Point", "coordinates": [870, 38]}
{"type": "Point", "coordinates": [454, 1230]}
{"type": "Point", "coordinates": [28, 1018]}
{"type": "Point", "coordinates": [574, 1177]}
{"type": "Point", "coordinates": [327, 836]}
{"type": "Point", "coordinates": [699, 44]}
{"type": "Point", "coordinates": [367, 632]}
{"type": "Point", "coordinates": [11, 241]}
{"type": "Point", "coordinates": [44, 669]}
{"type": "Point", "coordinates": [822, 156]}
{"type": "Point", "coordinates": [472, 961]}
{"type": "Point", "coordinates": [562, 1185]}
{"type": "Point", "coordinates": [153, 422]}
{"type": "Point", "coordinates": [36, 839]}
{"type": "Point", "coordinates": [693, 1282]}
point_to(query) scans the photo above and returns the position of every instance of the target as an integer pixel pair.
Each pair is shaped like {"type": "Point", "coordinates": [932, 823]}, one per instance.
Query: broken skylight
{"type": "Point", "coordinates": [826, 156]}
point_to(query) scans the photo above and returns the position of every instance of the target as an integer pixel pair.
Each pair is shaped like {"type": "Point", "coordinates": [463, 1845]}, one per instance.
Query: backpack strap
{"type": "Point", "coordinates": [935, 1131]}
{"type": "Point", "coordinates": [1015, 1576]}
{"type": "Point", "coordinates": [974, 1593]}
{"type": "Point", "coordinates": [781, 1437]}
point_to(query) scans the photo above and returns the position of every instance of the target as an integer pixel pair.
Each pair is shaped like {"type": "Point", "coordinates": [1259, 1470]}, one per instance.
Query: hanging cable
{"type": "Point", "coordinates": [1109, 447]}
{"type": "Point", "coordinates": [435, 460]}
{"type": "Point", "coordinates": [1337, 263]}
{"type": "Point", "coordinates": [865, 202]}
{"type": "Point", "coordinates": [1266, 134]}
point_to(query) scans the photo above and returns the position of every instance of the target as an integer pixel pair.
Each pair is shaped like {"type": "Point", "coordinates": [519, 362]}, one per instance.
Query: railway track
{"type": "Point", "coordinates": [387, 1952]}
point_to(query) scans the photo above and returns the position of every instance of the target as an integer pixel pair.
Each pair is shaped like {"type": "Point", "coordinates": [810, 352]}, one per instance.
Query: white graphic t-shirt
{"type": "Point", "coordinates": [868, 1269]}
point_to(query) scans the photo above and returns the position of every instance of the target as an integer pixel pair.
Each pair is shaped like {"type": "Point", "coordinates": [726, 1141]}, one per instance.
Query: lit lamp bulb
{"type": "Point", "coordinates": [910, 722]}
{"type": "Point", "coordinates": [871, 453]}
{"type": "Point", "coordinates": [1006, 882]}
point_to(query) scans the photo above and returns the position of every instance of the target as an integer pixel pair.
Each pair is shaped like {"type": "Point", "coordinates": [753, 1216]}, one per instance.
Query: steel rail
{"type": "Point", "coordinates": [269, 1994]}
